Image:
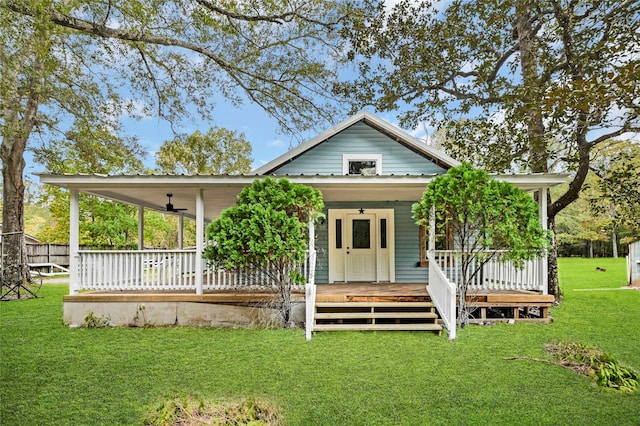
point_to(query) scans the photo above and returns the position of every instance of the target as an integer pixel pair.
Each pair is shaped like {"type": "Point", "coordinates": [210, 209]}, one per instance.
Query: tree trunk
{"type": "Point", "coordinates": [552, 263]}
{"type": "Point", "coordinates": [538, 155]}
{"type": "Point", "coordinates": [13, 243]}
{"type": "Point", "coordinates": [614, 242]}
{"type": "Point", "coordinates": [19, 113]}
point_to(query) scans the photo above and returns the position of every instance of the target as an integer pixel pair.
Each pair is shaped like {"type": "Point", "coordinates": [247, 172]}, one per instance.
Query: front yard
{"type": "Point", "coordinates": [51, 374]}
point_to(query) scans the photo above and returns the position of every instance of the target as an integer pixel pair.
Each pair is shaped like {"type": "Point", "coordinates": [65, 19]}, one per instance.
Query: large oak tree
{"type": "Point", "coordinates": [80, 65]}
{"type": "Point", "coordinates": [530, 85]}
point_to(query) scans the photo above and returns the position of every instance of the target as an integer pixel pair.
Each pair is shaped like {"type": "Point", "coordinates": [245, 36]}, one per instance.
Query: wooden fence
{"type": "Point", "coordinates": [48, 253]}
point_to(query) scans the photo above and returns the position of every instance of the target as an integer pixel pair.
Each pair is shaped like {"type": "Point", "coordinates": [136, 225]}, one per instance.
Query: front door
{"type": "Point", "coordinates": [361, 245]}
{"type": "Point", "coordinates": [360, 261]}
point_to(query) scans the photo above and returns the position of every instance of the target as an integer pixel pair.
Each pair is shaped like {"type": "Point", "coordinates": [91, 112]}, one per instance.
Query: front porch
{"type": "Point", "coordinates": [177, 287]}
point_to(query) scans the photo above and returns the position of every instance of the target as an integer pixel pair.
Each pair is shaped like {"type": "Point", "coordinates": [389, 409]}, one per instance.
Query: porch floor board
{"type": "Point", "coordinates": [372, 292]}
{"type": "Point", "coordinates": [210, 296]}
{"type": "Point", "coordinates": [352, 292]}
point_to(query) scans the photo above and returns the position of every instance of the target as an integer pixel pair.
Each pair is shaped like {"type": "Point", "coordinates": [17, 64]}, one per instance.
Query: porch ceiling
{"type": "Point", "coordinates": [220, 192]}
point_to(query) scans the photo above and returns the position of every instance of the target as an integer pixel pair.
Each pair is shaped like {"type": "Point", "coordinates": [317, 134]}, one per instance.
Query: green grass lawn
{"type": "Point", "coordinates": [53, 375]}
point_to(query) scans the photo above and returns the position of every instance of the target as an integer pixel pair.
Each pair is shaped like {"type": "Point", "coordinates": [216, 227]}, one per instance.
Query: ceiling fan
{"type": "Point", "coordinates": [170, 207]}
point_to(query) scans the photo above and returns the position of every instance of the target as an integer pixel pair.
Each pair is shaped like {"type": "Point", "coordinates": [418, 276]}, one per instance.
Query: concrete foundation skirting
{"type": "Point", "coordinates": [180, 313]}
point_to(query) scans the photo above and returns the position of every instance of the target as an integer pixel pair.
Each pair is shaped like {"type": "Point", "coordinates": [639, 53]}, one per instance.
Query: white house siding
{"type": "Point", "coordinates": [326, 158]}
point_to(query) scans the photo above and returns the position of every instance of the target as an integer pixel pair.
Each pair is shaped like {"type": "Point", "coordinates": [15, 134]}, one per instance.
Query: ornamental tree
{"type": "Point", "coordinates": [488, 218]}
{"type": "Point", "coordinates": [266, 233]}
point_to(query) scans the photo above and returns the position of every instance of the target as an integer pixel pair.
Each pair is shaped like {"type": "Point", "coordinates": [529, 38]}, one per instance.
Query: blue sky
{"type": "Point", "coordinates": [257, 126]}
{"type": "Point", "coordinates": [259, 129]}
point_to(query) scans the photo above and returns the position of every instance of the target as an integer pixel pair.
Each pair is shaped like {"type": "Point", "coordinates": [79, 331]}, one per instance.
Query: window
{"type": "Point", "coordinates": [362, 164]}
{"type": "Point", "coordinates": [365, 168]}
{"type": "Point", "coordinates": [338, 233]}
{"type": "Point", "coordinates": [383, 233]}
{"type": "Point", "coordinates": [361, 233]}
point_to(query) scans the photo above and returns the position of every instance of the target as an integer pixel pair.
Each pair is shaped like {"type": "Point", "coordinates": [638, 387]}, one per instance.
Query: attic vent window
{"type": "Point", "coordinates": [367, 168]}
{"type": "Point", "coordinates": [362, 164]}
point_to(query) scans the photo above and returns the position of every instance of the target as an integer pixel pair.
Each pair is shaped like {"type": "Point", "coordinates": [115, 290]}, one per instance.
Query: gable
{"type": "Point", "coordinates": [362, 137]}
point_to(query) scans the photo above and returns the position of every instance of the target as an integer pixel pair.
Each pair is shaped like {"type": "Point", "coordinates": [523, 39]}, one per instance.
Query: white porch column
{"type": "Point", "coordinates": [312, 236]}
{"type": "Point", "coordinates": [310, 290]}
{"type": "Point", "coordinates": [544, 261]}
{"type": "Point", "coordinates": [140, 227]}
{"type": "Point", "coordinates": [199, 240]}
{"type": "Point", "coordinates": [432, 229]}
{"type": "Point", "coordinates": [74, 241]}
{"type": "Point", "coordinates": [312, 253]}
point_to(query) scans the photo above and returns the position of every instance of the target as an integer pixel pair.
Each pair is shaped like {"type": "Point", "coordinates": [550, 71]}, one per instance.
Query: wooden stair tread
{"type": "Point", "coordinates": [383, 327]}
{"type": "Point", "coordinates": [374, 304]}
{"type": "Point", "coordinates": [347, 315]}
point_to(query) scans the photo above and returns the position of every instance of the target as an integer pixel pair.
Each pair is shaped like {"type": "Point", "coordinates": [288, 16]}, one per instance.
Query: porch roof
{"type": "Point", "coordinates": [220, 191]}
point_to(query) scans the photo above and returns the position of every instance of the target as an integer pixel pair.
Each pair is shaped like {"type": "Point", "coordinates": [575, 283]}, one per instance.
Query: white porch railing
{"type": "Point", "coordinates": [443, 295]}
{"type": "Point", "coordinates": [445, 272]}
{"type": "Point", "coordinates": [162, 270]}
{"type": "Point", "coordinates": [494, 275]}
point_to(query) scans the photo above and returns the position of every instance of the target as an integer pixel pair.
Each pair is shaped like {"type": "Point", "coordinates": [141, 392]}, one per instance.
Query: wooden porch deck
{"type": "Point", "coordinates": [494, 306]}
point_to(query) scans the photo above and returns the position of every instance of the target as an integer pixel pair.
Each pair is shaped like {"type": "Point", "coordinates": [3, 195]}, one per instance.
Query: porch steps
{"type": "Point", "coordinates": [369, 316]}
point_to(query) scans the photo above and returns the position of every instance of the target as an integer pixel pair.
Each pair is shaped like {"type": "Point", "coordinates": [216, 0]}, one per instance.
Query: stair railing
{"type": "Point", "coordinates": [443, 294]}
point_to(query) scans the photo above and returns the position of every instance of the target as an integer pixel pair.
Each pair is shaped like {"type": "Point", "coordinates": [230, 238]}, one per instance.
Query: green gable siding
{"type": "Point", "coordinates": [326, 158]}
{"type": "Point", "coordinates": [407, 245]}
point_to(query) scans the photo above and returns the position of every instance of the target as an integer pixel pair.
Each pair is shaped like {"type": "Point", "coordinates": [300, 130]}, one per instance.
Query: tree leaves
{"type": "Point", "coordinates": [265, 235]}
{"type": "Point", "coordinates": [526, 85]}
{"type": "Point", "coordinates": [267, 225]}
{"type": "Point", "coordinates": [219, 151]}
{"type": "Point", "coordinates": [484, 214]}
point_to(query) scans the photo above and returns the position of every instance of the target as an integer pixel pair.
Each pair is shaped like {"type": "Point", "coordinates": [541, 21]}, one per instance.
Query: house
{"type": "Point", "coordinates": [370, 173]}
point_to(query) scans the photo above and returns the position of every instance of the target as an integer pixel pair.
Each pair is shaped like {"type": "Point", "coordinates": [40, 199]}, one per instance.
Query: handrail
{"type": "Point", "coordinates": [443, 294]}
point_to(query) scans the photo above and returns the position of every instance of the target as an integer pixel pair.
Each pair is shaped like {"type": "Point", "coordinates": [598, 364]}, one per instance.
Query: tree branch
{"type": "Point", "coordinates": [276, 19]}
{"type": "Point", "coordinates": [236, 73]}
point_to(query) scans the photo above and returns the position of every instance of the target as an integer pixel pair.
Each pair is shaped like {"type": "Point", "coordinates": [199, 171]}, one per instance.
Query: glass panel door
{"type": "Point", "coordinates": [360, 262]}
